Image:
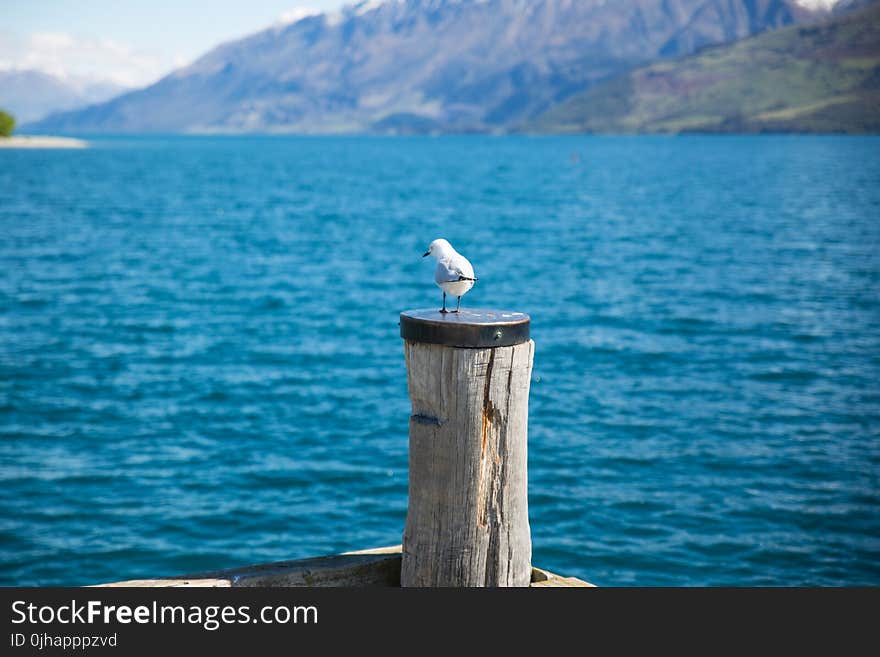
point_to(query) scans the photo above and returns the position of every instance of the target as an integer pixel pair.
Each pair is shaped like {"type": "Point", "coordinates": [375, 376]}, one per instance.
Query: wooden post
{"type": "Point", "coordinates": [468, 521]}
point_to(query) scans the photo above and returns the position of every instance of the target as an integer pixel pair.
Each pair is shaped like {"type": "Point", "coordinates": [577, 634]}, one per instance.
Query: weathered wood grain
{"type": "Point", "coordinates": [376, 567]}
{"type": "Point", "coordinates": [545, 579]}
{"type": "Point", "coordinates": [467, 522]}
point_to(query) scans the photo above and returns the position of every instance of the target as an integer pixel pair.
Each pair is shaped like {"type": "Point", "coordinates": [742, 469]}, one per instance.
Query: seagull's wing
{"type": "Point", "coordinates": [453, 270]}
{"type": "Point", "coordinates": [463, 267]}
{"type": "Point", "coordinates": [446, 273]}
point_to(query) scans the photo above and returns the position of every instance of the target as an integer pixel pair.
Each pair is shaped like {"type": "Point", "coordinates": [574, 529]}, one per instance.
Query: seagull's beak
{"type": "Point", "coordinates": [427, 253]}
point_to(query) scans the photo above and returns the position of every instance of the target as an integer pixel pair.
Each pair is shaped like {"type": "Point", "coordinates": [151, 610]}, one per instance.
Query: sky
{"type": "Point", "coordinates": [130, 42]}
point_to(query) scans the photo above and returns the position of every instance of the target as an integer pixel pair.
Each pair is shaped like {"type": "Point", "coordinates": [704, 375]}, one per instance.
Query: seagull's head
{"type": "Point", "coordinates": [439, 248]}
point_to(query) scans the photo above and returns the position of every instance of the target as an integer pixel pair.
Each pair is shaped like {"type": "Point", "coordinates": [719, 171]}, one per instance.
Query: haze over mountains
{"type": "Point", "coordinates": [428, 65]}
{"type": "Point", "coordinates": [31, 95]}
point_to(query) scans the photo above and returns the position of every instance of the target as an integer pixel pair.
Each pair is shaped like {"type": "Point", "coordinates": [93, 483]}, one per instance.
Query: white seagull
{"type": "Point", "coordinates": [454, 274]}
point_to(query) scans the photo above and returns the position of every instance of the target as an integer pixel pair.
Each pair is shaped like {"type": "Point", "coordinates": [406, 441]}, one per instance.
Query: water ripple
{"type": "Point", "coordinates": [200, 365]}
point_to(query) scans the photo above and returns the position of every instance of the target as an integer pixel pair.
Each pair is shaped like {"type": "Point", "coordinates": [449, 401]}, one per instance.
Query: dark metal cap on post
{"type": "Point", "coordinates": [469, 329]}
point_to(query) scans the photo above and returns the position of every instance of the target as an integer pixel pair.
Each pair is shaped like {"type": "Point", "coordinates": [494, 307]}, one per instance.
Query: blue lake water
{"type": "Point", "coordinates": [200, 364]}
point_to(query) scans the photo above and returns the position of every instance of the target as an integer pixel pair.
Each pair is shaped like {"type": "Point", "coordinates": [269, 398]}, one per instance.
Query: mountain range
{"type": "Point", "coordinates": [823, 77]}
{"type": "Point", "coordinates": [427, 65]}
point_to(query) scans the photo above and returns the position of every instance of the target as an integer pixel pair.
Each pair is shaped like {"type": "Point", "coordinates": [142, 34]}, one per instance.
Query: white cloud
{"type": "Point", "coordinates": [83, 58]}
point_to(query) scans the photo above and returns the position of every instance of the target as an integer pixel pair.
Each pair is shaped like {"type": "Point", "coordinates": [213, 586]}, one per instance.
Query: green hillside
{"type": "Point", "coordinates": [818, 78]}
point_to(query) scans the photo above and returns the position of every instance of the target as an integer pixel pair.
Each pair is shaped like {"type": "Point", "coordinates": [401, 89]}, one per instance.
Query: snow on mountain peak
{"type": "Point", "coordinates": [815, 5]}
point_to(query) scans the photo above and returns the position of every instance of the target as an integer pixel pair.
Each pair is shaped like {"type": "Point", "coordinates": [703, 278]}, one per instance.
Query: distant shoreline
{"type": "Point", "coordinates": [24, 141]}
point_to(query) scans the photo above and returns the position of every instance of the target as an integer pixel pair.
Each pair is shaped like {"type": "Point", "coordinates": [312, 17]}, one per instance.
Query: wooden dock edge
{"type": "Point", "coordinates": [375, 567]}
